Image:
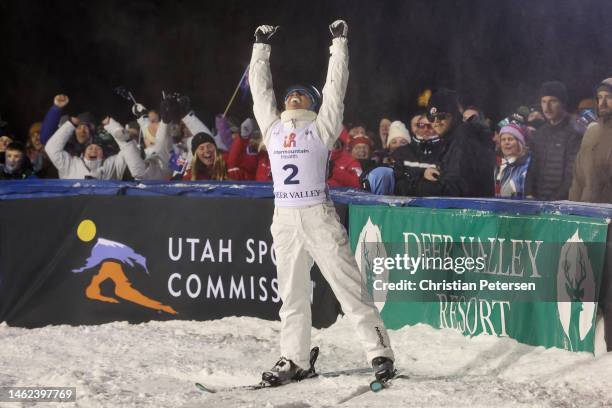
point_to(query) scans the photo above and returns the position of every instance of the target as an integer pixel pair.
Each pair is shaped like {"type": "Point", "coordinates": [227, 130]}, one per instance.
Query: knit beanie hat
{"type": "Point", "coordinates": [556, 89]}
{"type": "Point", "coordinates": [397, 130]}
{"type": "Point", "coordinates": [517, 131]}
{"type": "Point", "coordinates": [86, 118]}
{"type": "Point", "coordinates": [359, 140]}
{"type": "Point", "coordinates": [605, 85]}
{"type": "Point", "coordinates": [201, 138]}
{"type": "Point", "coordinates": [443, 101]}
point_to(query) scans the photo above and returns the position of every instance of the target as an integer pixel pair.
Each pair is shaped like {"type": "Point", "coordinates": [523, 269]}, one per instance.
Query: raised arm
{"type": "Point", "coordinates": [260, 80]}
{"type": "Point", "coordinates": [329, 119]}
{"type": "Point", "coordinates": [55, 147]}
{"type": "Point", "coordinates": [52, 118]}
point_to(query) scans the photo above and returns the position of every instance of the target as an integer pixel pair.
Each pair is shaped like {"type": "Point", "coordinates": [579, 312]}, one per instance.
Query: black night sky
{"type": "Point", "coordinates": [494, 52]}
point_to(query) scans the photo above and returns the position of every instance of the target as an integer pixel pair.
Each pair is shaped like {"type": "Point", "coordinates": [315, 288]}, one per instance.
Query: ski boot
{"type": "Point", "coordinates": [383, 372]}
{"type": "Point", "coordinates": [286, 371]}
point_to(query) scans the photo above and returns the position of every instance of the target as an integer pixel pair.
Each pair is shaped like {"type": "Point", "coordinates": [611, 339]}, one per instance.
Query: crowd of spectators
{"type": "Point", "coordinates": [544, 152]}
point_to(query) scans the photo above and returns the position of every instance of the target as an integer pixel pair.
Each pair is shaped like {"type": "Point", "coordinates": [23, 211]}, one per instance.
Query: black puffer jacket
{"type": "Point", "coordinates": [467, 164]}
{"type": "Point", "coordinates": [410, 162]}
{"type": "Point", "coordinates": [553, 151]}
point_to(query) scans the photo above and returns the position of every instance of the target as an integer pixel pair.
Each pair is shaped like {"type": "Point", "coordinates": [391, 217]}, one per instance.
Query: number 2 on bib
{"type": "Point", "coordinates": [294, 171]}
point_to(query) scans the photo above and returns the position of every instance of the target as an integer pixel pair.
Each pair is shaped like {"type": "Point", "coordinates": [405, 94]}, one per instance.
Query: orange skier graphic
{"type": "Point", "coordinates": [110, 257]}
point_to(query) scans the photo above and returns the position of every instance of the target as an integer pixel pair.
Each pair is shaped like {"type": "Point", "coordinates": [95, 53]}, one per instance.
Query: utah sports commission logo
{"type": "Point", "coordinates": [107, 260]}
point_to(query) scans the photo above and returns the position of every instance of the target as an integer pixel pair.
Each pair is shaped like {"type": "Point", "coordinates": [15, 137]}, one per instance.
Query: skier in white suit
{"type": "Point", "coordinates": [305, 226]}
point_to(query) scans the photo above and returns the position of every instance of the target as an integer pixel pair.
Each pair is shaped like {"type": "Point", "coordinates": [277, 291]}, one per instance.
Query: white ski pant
{"type": "Point", "coordinates": [302, 235]}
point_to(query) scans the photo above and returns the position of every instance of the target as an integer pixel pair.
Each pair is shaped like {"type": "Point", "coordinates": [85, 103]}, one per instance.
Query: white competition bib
{"type": "Point", "coordinates": [299, 161]}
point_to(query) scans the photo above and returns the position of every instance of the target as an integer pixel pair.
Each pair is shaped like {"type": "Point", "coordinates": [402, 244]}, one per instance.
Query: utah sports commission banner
{"type": "Point", "coordinates": [534, 278]}
{"type": "Point", "coordinates": [97, 259]}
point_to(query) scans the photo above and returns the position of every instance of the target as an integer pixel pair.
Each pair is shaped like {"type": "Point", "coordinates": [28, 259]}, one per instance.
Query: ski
{"type": "Point", "coordinates": [314, 353]}
{"type": "Point", "coordinates": [380, 384]}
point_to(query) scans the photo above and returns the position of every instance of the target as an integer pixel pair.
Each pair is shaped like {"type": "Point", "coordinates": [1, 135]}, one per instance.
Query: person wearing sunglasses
{"type": "Point", "coordinates": [413, 160]}
{"type": "Point", "coordinates": [467, 160]}
{"type": "Point", "coordinates": [305, 226]}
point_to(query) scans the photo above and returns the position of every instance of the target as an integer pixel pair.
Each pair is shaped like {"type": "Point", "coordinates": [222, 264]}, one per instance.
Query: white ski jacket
{"type": "Point", "coordinates": [72, 167]}
{"type": "Point", "coordinates": [328, 120]}
{"type": "Point", "coordinates": [155, 165]}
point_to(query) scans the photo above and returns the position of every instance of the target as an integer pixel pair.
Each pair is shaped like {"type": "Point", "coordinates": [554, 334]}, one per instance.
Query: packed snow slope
{"type": "Point", "coordinates": [156, 364]}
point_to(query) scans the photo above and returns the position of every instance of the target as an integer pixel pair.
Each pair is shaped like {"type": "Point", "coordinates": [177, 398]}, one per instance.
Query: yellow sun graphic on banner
{"type": "Point", "coordinates": [86, 230]}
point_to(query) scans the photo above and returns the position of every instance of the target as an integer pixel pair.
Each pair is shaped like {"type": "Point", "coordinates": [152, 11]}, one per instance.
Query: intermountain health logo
{"type": "Point", "coordinates": [369, 246]}
{"type": "Point", "coordinates": [108, 258]}
{"type": "Point", "coordinates": [575, 283]}
{"type": "Point", "coordinates": [289, 141]}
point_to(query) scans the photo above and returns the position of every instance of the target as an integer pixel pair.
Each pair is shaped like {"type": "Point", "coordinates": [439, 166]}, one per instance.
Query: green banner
{"type": "Point", "coordinates": [534, 278]}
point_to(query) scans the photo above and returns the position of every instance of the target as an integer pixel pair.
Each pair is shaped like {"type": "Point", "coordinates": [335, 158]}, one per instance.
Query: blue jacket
{"type": "Point", "coordinates": [511, 182]}
{"type": "Point", "coordinates": [50, 124]}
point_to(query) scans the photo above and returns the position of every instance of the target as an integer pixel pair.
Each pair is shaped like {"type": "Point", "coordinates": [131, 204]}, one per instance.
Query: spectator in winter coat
{"type": "Point", "coordinates": [243, 158]}
{"type": "Point", "coordinates": [360, 148]}
{"type": "Point", "coordinates": [380, 180]}
{"type": "Point", "coordinates": [35, 150]}
{"type": "Point", "coordinates": [344, 170]}
{"type": "Point", "coordinates": [553, 149]}
{"type": "Point", "coordinates": [412, 160]}
{"type": "Point", "coordinates": [510, 173]}
{"type": "Point", "coordinates": [468, 159]}
{"type": "Point", "coordinates": [91, 164]}
{"type": "Point", "coordinates": [16, 164]}
{"type": "Point", "coordinates": [592, 179]}
{"type": "Point", "coordinates": [207, 163]}
{"type": "Point", "coordinates": [193, 126]}
{"type": "Point", "coordinates": [83, 133]}
{"type": "Point", "coordinates": [155, 165]}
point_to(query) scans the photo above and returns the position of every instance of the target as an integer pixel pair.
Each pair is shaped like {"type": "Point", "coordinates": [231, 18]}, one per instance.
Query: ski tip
{"type": "Point", "coordinates": [376, 386]}
{"type": "Point", "coordinates": [203, 388]}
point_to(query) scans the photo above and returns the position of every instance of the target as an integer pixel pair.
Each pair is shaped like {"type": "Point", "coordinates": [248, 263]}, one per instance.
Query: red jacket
{"type": "Point", "coordinates": [264, 171]}
{"type": "Point", "coordinates": [241, 164]}
{"type": "Point", "coordinates": [345, 170]}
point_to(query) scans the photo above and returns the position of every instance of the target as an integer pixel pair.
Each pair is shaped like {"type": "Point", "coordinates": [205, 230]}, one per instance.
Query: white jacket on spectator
{"type": "Point", "coordinates": [155, 165]}
{"type": "Point", "coordinates": [73, 167]}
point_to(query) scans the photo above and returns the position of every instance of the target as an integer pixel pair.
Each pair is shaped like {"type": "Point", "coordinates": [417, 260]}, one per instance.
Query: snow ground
{"type": "Point", "coordinates": [155, 365]}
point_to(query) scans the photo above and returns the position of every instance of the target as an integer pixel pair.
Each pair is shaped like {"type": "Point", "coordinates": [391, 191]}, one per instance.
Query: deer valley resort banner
{"type": "Point", "coordinates": [97, 259]}
{"type": "Point", "coordinates": [535, 278]}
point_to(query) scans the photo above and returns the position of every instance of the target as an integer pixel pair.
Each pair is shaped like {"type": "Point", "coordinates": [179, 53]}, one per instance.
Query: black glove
{"type": "Point", "coordinates": [169, 109]}
{"type": "Point", "coordinates": [338, 28]}
{"type": "Point", "coordinates": [184, 105]}
{"type": "Point", "coordinates": [263, 33]}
